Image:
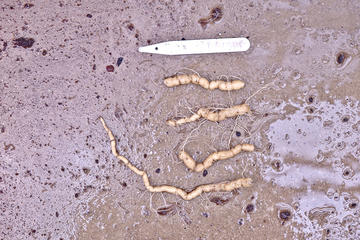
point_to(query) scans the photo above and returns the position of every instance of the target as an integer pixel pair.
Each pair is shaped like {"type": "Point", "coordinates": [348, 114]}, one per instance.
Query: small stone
{"type": "Point", "coordinates": [110, 68]}
{"type": "Point", "coordinates": [24, 42]}
{"type": "Point", "coordinates": [28, 5]}
{"type": "Point", "coordinates": [119, 61]}
{"type": "Point", "coordinates": [285, 215]}
{"type": "Point", "coordinates": [205, 214]}
{"type": "Point", "coordinates": [250, 208]}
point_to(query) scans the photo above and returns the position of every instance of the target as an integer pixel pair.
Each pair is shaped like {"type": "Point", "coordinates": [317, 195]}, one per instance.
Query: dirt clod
{"type": "Point", "coordinates": [24, 42]}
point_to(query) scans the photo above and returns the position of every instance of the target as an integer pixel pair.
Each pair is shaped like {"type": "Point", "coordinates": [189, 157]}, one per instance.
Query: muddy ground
{"type": "Point", "coordinates": [58, 179]}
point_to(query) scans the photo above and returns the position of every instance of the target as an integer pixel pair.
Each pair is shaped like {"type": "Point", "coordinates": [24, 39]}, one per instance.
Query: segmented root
{"type": "Point", "coordinates": [214, 116]}
{"type": "Point", "coordinates": [203, 82]}
{"type": "Point", "coordinates": [217, 187]}
{"type": "Point", "coordinates": [212, 158]}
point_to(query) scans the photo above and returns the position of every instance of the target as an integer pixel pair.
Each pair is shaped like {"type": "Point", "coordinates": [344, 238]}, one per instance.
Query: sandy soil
{"type": "Point", "coordinates": [58, 179]}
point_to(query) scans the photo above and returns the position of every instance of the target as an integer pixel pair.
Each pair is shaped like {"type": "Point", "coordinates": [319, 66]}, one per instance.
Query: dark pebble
{"type": "Point", "coordinates": [285, 215]}
{"type": "Point", "coordinates": [28, 5]}
{"type": "Point", "coordinates": [352, 205]}
{"type": "Point", "coordinates": [219, 201]}
{"type": "Point", "coordinates": [130, 26]}
{"type": "Point", "coordinates": [157, 170]}
{"type": "Point", "coordinates": [4, 46]}
{"type": "Point", "coordinates": [216, 14]}
{"type": "Point", "coordinates": [24, 42]}
{"type": "Point", "coordinates": [205, 172]}
{"type": "Point", "coordinates": [249, 208]}
{"type": "Point", "coordinates": [110, 68]}
{"type": "Point", "coordinates": [340, 58]}
{"type": "Point", "coordinates": [119, 61]}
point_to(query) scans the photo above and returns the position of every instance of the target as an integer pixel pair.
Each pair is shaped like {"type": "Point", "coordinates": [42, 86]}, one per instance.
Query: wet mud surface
{"type": "Point", "coordinates": [64, 64]}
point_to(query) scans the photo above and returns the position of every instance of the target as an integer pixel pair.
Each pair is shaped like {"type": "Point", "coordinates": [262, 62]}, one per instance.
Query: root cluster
{"type": "Point", "coordinates": [189, 162]}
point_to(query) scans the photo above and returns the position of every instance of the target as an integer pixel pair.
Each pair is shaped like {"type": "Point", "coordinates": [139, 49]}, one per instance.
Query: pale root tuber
{"type": "Point", "coordinates": [212, 158]}
{"type": "Point", "coordinates": [214, 116]}
{"type": "Point", "coordinates": [203, 82]}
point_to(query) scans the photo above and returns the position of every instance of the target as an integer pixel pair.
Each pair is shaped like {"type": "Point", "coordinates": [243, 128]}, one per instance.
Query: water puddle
{"type": "Point", "coordinates": [315, 152]}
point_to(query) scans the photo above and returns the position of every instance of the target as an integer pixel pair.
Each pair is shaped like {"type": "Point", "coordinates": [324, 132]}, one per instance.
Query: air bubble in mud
{"type": "Point", "coordinates": [277, 165]}
{"type": "Point", "coordinates": [310, 99]}
{"type": "Point", "coordinates": [270, 148]}
{"type": "Point", "coordinates": [297, 51]}
{"type": "Point", "coordinates": [310, 118]}
{"type": "Point", "coordinates": [311, 96]}
{"type": "Point", "coordinates": [325, 59]}
{"type": "Point", "coordinates": [356, 126]}
{"type": "Point", "coordinates": [144, 211]}
{"type": "Point", "coordinates": [353, 205]}
{"type": "Point", "coordinates": [330, 193]}
{"type": "Point", "coordinates": [345, 119]}
{"type": "Point", "coordinates": [284, 215]}
{"type": "Point", "coordinates": [340, 145]}
{"type": "Point", "coordinates": [357, 153]}
{"type": "Point", "coordinates": [310, 110]}
{"type": "Point", "coordinates": [328, 124]}
{"type": "Point", "coordinates": [348, 173]}
{"type": "Point", "coordinates": [296, 75]}
{"type": "Point", "coordinates": [320, 156]}
{"type": "Point", "coordinates": [341, 57]}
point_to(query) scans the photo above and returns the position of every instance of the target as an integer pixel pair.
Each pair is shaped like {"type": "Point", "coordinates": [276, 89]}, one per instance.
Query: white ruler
{"type": "Point", "coordinates": [222, 45]}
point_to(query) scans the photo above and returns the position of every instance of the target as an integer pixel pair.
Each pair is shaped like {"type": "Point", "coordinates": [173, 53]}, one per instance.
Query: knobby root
{"type": "Point", "coordinates": [212, 158]}
{"type": "Point", "coordinates": [214, 116]}
{"type": "Point", "coordinates": [203, 82]}
{"type": "Point", "coordinates": [223, 186]}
